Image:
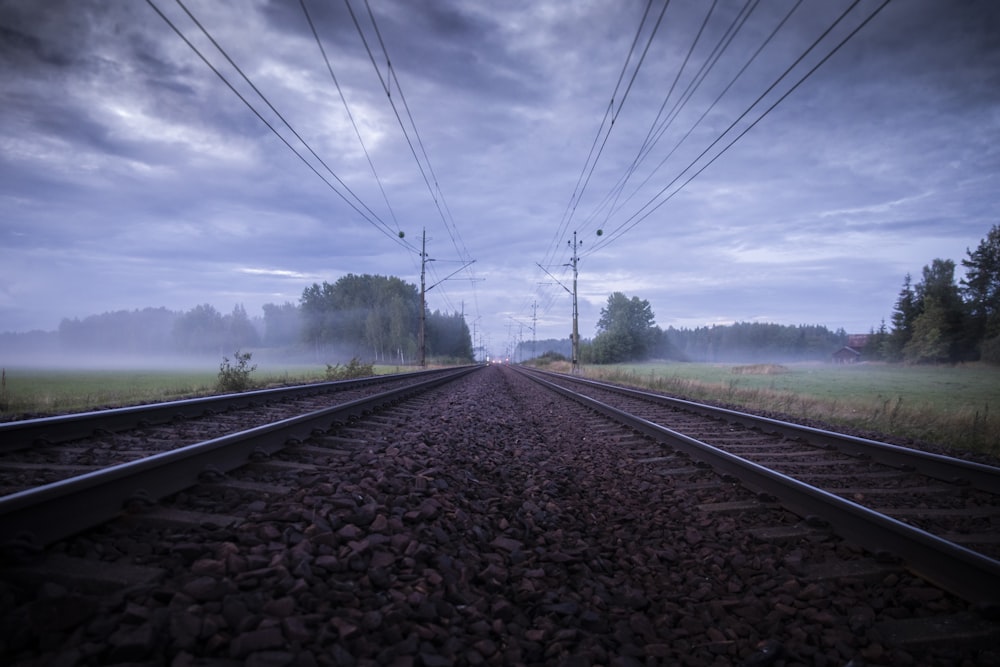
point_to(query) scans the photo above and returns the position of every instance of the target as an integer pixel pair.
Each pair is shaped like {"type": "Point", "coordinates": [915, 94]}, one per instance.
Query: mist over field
{"type": "Point", "coordinates": [43, 350]}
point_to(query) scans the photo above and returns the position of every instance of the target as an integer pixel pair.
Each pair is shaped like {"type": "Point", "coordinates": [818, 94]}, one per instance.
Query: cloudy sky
{"type": "Point", "coordinates": [755, 170]}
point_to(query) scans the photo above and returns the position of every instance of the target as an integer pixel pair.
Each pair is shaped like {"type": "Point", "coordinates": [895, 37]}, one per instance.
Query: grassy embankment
{"type": "Point", "coordinates": [953, 406]}
{"type": "Point", "coordinates": [38, 392]}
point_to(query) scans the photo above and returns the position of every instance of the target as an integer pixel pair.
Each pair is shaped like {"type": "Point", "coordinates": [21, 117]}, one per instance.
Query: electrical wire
{"type": "Point", "coordinates": [612, 200]}
{"type": "Point", "coordinates": [591, 160]}
{"type": "Point", "coordinates": [638, 217]}
{"type": "Point", "coordinates": [373, 219]}
{"type": "Point", "coordinates": [604, 129]}
{"type": "Point", "coordinates": [428, 174]}
{"type": "Point", "coordinates": [652, 205]}
{"type": "Point", "coordinates": [617, 207]}
{"type": "Point", "coordinates": [571, 204]}
{"type": "Point", "coordinates": [350, 115]}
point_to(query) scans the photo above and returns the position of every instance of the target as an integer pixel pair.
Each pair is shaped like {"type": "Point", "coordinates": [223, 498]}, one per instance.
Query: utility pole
{"type": "Point", "coordinates": [422, 334]}
{"type": "Point", "coordinates": [534, 325]}
{"type": "Point", "coordinates": [575, 335]}
{"type": "Point", "coordinates": [475, 356]}
{"type": "Point", "coordinates": [575, 340]}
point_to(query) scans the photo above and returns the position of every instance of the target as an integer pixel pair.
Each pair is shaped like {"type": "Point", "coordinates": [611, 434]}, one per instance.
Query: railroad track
{"type": "Point", "coordinates": [29, 433]}
{"type": "Point", "coordinates": [477, 518]}
{"type": "Point", "coordinates": [938, 515]}
{"type": "Point", "coordinates": [87, 480]}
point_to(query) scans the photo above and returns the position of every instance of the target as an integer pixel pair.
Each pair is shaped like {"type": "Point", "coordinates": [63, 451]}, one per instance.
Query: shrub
{"type": "Point", "coordinates": [548, 358]}
{"type": "Point", "coordinates": [236, 377]}
{"type": "Point", "coordinates": [354, 369]}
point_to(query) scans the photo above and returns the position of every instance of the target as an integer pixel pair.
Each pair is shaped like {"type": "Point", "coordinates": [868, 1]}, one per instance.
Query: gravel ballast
{"type": "Point", "coordinates": [489, 523]}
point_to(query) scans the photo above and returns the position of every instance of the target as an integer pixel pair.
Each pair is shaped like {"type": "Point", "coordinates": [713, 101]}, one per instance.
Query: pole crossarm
{"type": "Point", "coordinates": [464, 266]}
{"type": "Point", "coordinates": [553, 278]}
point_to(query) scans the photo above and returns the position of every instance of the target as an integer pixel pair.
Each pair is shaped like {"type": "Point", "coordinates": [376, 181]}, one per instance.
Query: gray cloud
{"type": "Point", "coordinates": [131, 176]}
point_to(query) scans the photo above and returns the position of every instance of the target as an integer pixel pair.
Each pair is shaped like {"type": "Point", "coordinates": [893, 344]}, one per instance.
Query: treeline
{"type": "Point", "coordinates": [939, 320]}
{"type": "Point", "coordinates": [751, 342]}
{"type": "Point", "coordinates": [373, 318]}
{"type": "Point", "coordinates": [743, 342]}
{"type": "Point", "coordinates": [152, 331]}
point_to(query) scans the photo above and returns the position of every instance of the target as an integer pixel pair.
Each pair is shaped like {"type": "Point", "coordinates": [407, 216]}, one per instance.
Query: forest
{"type": "Point", "coordinates": [372, 318]}
{"type": "Point", "coordinates": [742, 342]}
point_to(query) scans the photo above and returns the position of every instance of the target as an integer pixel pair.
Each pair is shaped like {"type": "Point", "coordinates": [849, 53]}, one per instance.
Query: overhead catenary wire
{"type": "Point", "coordinates": [357, 204]}
{"type": "Point", "coordinates": [659, 125]}
{"type": "Point", "coordinates": [386, 81]}
{"type": "Point", "coordinates": [415, 142]}
{"type": "Point", "coordinates": [350, 116]}
{"type": "Point", "coordinates": [659, 199]}
{"type": "Point", "coordinates": [609, 113]}
{"type": "Point", "coordinates": [705, 112]}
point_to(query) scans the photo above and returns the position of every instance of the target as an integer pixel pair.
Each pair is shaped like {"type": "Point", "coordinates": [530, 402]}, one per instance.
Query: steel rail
{"type": "Point", "coordinates": [965, 573]}
{"type": "Point", "coordinates": [946, 468]}
{"type": "Point", "coordinates": [37, 517]}
{"type": "Point", "coordinates": [24, 433]}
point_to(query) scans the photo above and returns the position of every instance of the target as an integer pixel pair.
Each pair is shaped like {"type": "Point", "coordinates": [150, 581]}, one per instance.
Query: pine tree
{"type": "Point", "coordinates": [904, 314]}
{"type": "Point", "coordinates": [981, 289]}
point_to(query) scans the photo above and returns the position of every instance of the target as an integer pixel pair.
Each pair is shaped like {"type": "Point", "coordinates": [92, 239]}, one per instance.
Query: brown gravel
{"type": "Point", "coordinates": [488, 524]}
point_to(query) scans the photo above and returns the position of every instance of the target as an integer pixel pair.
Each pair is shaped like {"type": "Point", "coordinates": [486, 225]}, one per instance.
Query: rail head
{"type": "Point", "coordinates": [24, 433]}
{"type": "Point", "coordinates": [946, 468]}
{"type": "Point", "coordinates": [40, 516]}
{"type": "Point", "coordinates": [967, 574]}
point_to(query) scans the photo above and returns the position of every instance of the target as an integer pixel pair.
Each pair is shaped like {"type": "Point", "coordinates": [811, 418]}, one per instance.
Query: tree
{"type": "Point", "coordinates": [282, 324]}
{"type": "Point", "coordinates": [937, 289]}
{"type": "Point", "coordinates": [903, 316]}
{"type": "Point", "coordinates": [929, 342]}
{"type": "Point", "coordinates": [145, 331]}
{"type": "Point", "coordinates": [981, 288]}
{"type": "Point", "coordinates": [876, 344]}
{"type": "Point", "coordinates": [940, 329]}
{"type": "Point", "coordinates": [448, 336]}
{"type": "Point", "coordinates": [626, 330]}
{"type": "Point", "coordinates": [318, 307]}
{"type": "Point", "coordinates": [200, 330]}
{"type": "Point", "coordinates": [240, 331]}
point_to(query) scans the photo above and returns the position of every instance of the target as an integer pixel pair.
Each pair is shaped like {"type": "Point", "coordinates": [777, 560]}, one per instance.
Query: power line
{"type": "Point", "coordinates": [639, 215]}
{"type": "Point", "coordinates": [657, 127]}
{"type": "Point", "coordinates": [350, 115]}
{"type": "Point", "coordinates": [635, 218]}
{"type": "Point", "coordinates": [376, 222]}
{"type": "Point", "coordinates": [610, 112]}
{"type": "Point", "coordinates": [705, 113]}
{"type": "Point", "coordinates": [428, 174]}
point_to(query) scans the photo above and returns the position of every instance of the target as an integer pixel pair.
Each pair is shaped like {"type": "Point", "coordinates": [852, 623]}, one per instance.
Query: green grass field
{"type": "Point", "coordinates": [36, 392]}
{"type": "Point", "coordinates": [953, 406]}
